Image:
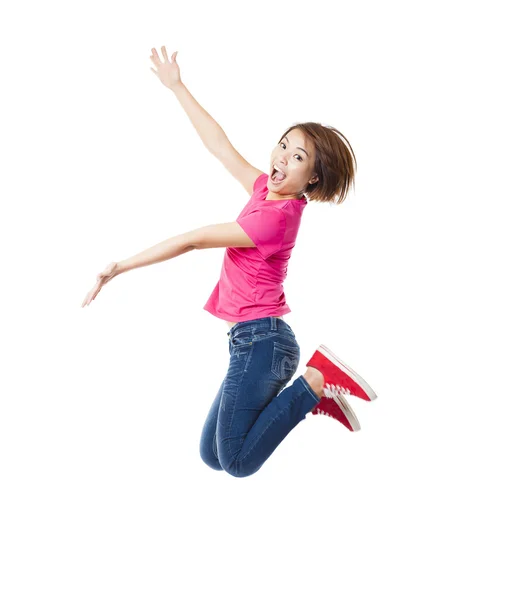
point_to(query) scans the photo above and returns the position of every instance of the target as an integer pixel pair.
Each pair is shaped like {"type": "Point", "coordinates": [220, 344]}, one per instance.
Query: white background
{"type": "Point", "coordinates": [104, 494]}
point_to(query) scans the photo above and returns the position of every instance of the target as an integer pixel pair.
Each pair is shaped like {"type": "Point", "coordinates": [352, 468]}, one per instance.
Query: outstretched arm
{"type": "Point", "coordinates": [211, 236]}
{"type": "Point", "coordinates": [210, 132]}
{"type": "Point", "coordinates": [221, 235]}
{"type": "Point", "coordinates": [170, 248]}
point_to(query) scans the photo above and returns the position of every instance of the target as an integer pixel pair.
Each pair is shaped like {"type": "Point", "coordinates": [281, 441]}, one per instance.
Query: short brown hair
{"type": "Point", "coordinates": [335, 162]}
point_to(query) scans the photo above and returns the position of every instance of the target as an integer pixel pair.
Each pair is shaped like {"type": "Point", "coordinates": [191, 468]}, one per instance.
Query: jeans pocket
{"type": "Point", "coordinates": [285, 360]}
{"type": "Point", "coordinates": [241, 346]}
{"type": "Point", "coordinates": [242, 339]}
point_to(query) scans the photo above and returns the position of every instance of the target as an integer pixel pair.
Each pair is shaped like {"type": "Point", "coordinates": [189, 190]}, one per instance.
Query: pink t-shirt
{"type": "Point", "coordinates": [251, 281]}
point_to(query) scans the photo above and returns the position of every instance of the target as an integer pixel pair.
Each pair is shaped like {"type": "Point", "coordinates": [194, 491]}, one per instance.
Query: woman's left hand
{"type": "Point", "coordinates": [109, 273]}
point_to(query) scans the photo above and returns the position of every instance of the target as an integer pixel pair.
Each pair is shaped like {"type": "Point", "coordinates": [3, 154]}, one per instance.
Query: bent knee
{"type": "Point", "coordinates": [211, 461]}
{"type": "Point", "coordinates": [236, 470]}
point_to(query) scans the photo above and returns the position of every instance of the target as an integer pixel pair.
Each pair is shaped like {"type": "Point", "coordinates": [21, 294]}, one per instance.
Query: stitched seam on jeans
{"type": "Point", "coordinates": [285, 348]}
{"type": "Point", "coordinates": [287, 355]}
{"type": "Point", "coordinates": [233, 412]}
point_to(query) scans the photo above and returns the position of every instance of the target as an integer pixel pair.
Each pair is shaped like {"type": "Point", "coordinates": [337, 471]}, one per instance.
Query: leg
{"type": "Point", "coordinates": [256, 411]}
{"type": "Point", "coordinates": [315, 379]}
{"type": "Point", "coordinates": [208, 445]}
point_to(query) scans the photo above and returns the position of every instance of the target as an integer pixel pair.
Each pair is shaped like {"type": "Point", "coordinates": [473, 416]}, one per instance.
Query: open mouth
{"type": "Point", "coordinates": [277, 176]}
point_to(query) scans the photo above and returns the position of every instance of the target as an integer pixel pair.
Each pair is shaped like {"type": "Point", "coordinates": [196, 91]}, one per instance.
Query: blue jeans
{"type": "Point", "coordinates": [252, 413]}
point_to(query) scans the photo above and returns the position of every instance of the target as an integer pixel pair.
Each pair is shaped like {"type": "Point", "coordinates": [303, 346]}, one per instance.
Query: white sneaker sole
{"type": "Point", "coordinates": [334, 394]}
{"type": "Point", "coordinates": [350, 372]}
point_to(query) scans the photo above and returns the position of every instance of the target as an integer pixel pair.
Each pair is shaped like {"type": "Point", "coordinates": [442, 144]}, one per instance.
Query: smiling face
{"type": "Point", "coordinates": [295, 156]}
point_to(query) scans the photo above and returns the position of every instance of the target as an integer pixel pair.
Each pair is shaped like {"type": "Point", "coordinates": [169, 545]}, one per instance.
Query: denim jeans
{"type": "Point", "coordinates": [252, 413]}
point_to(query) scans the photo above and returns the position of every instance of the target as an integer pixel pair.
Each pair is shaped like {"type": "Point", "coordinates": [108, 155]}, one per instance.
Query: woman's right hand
{"type": "Point", "coordinates": [168, 72]}
{"type": "Point", "coordinates": [107, 274]}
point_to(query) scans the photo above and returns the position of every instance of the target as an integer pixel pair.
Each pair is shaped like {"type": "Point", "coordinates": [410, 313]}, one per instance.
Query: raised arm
{"type": "Point", "coordinates": [210, 132]}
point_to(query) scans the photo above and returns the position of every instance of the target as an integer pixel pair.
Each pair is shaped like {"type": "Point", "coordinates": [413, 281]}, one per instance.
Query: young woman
{"type": "Point", "coordinates": [254, 409]}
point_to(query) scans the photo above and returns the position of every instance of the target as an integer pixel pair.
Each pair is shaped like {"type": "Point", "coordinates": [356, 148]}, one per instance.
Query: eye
{"type": "Point", "coordinates": [300, 157]}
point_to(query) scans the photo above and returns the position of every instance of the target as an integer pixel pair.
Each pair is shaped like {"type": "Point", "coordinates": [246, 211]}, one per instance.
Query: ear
{"type": "Point", "coordinates": [314, 180]}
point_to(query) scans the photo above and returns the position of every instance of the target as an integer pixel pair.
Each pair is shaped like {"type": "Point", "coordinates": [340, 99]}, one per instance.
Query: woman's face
{"type": "Point", "coordinates": [295, 157]}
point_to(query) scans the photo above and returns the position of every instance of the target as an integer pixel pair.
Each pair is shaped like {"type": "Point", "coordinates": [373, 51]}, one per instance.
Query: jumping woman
{"type": "Point", "coordinates": [255, 409]}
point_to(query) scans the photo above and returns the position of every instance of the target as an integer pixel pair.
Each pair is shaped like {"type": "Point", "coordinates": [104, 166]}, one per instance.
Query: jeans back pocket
{"type": "Point", "coordinates": [285, 360]}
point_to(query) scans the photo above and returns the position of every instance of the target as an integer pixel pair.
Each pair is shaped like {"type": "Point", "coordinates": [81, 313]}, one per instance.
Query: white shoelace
{"type": "Point", "coordinates": [338, 394]}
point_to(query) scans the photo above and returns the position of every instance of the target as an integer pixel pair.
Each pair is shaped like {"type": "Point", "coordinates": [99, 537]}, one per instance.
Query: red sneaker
{"type": "Point", "coordinates": [339, 375]}
{"type": "Point", "coordinates": [334, 404]}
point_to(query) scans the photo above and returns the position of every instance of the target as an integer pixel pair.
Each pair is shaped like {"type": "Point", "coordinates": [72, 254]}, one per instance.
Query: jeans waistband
{"type": "Point", "coordinates": [264, 324]}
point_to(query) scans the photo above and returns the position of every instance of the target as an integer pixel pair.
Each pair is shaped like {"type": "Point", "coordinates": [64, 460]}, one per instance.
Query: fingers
{"type": "Point", "coordinates": [155, 57]}
{"type": "Point", "coordinates": [87, 300]}
{"type": "Point", "coordinates": [102, 278]}
{"type": "Point", "coordinates": [92, 293]}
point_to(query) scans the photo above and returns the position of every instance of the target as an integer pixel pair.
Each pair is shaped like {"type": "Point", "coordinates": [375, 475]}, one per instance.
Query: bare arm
{"type": "Point", "coordinates": [210, 132]}
{"type": "Point", "coordinates": [211, 236]}
{"type": "Point", "coordinates": [219, 235]}
{"type": "Point", "coordinates": [168, 71]}
{"type": "Point", "coordinates": [170, 248]}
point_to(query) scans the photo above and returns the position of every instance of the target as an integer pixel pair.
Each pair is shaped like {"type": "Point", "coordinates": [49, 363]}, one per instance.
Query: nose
{"type": "Point", "coordinates": [282, 159]}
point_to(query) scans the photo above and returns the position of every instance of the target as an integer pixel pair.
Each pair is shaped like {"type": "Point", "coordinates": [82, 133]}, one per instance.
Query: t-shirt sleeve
{"type": "Point", "coordinates": [258, 181]}
{"type": "Point", "coordinates": [266, 228]}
